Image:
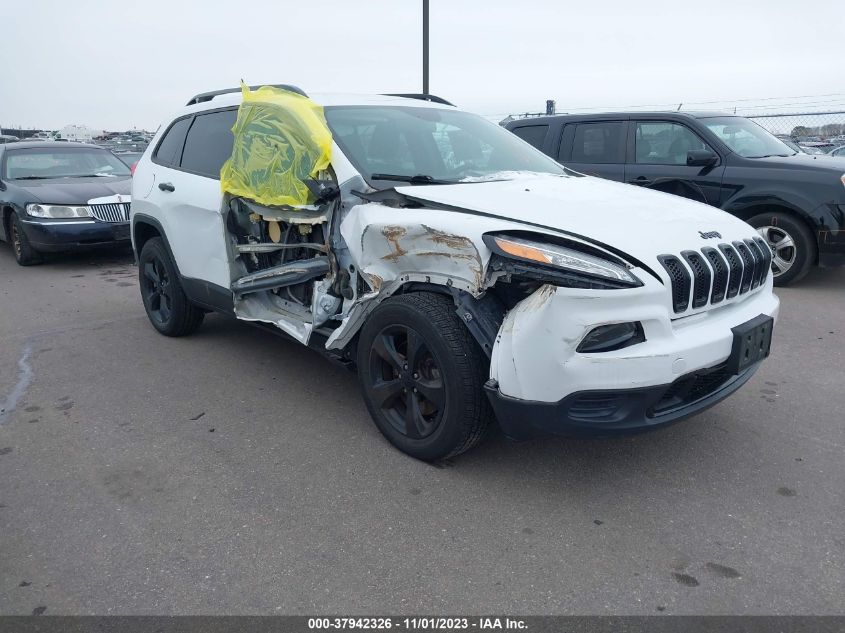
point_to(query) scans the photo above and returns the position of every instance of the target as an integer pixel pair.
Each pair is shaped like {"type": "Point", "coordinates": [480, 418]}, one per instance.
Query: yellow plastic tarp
{"type": "Point", "coordinates": [281, 139]}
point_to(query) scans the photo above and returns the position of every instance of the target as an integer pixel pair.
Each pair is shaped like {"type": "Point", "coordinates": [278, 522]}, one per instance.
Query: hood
{"type": "Point", "coordinates": [639, 222]}
{"type": "Point", "coordinates": [73, 190]}
{"type": "Point", "coordinates": [803, 161]}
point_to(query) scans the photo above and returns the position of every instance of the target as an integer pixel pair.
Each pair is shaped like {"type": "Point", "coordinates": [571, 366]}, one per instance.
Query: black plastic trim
{"type": "Point", "coordinates": [721, 273]}
{"type": "Point", "coordinates": [614, 412]}
{"type": "Point", "coordinates": [748, 263]}
{"type": "Point", "coordinates": [681, 281]}
{"type": "Point", "coordinates": [735, 267]}
{"type": "Point", "coordinates": [701, 275]}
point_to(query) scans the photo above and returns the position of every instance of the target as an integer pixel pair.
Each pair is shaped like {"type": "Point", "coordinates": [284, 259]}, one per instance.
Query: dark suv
{"type": "Point", "coordinates": [796, 202]}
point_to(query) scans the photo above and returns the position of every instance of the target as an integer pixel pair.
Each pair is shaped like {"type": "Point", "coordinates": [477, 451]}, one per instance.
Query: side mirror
{"type": "Point", "coordinates": [2, 186]}
{"type": "Point", "coordinates": [701, 158]}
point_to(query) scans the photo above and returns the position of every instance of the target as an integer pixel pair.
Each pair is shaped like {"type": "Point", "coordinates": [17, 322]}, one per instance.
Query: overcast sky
{"type": "Point", "coordinates": [115, 64]}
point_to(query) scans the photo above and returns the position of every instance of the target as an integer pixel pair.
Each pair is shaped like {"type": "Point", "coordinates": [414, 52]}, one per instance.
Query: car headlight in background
{"type": "Point", "coordinates": [57, 211]}
{"type": "Point", "coordinates": [581, 265]}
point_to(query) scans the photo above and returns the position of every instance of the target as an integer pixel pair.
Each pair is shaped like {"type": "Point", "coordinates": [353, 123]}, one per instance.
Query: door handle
{"type": "Point", "coordinates": [166, 186]}
{"type": "Point", "coordinates": [642, 180]}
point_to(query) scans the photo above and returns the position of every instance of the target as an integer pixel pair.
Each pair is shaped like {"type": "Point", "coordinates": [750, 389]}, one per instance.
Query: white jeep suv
{"type": "Point", "coordinates": [467, 276]}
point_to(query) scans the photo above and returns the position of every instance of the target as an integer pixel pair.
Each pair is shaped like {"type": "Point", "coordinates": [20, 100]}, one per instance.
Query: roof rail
{"type": "Point", "coordinates": [422, 97]}
{"type": "Point", "coordinates": [208, 96]}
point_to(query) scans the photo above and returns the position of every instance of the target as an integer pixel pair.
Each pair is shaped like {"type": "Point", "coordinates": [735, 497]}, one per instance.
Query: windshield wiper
{"type": "Point", "coordinates": [33, 178]}
{"type": "Point", "coordinates": [419, 179]}
{"type": "Point", "coordinates": [90, 176]}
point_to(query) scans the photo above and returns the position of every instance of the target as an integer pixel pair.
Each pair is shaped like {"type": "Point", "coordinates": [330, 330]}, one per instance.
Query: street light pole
{"type": "Point", "coordinates": [425, 47]}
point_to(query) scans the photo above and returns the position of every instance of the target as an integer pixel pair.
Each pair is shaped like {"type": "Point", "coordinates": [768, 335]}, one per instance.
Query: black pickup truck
{"type": "Point", "coordinates": [796, 201]}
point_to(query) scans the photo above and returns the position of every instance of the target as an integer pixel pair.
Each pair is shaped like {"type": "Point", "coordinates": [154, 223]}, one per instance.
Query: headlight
{"type": "Point", "coordinates": [581, 265]}
{"type": "Point", "coordinates": [57, 211]}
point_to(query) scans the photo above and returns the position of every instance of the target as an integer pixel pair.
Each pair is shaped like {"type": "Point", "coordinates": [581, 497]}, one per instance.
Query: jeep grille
{"type": "Point", "coordinates": [713, 275]}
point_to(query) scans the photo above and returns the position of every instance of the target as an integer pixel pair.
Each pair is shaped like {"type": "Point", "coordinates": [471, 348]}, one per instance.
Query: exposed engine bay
{"type": "Point", "coordinates": [283, 271]}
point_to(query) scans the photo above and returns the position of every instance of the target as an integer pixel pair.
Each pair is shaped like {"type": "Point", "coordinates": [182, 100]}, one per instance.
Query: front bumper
{"type": "Point", "coordinates": [58, 235]}
{"type": "Point", "coordinates": [539, 383]}
{"type": "Point", "coordinates": [604, 413]}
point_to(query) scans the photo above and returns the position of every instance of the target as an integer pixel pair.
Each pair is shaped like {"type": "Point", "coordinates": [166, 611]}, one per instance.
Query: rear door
{"type": "Point", "coordinates": [657, 159]}
{"type": "Point", "coordinates": [595, 148]}
{"type": "Point", "coordinates": [187, 191]}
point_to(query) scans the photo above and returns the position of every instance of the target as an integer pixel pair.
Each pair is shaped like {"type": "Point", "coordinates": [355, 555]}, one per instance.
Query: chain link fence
{"type": "Point", "coordinates": [827, 128]}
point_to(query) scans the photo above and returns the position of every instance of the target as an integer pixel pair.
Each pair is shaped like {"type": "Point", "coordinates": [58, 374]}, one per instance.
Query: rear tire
{"type": "Point", "coordinates": [422, 377]}
{"type": "Point", "coordinates": [793, 245]}
{"type": "Point", "coordinates": [25, 254]}
{"type": "Point", "coordinates": [167, 306]}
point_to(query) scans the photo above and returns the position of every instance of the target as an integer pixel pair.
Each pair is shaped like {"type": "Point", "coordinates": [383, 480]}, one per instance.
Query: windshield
{"type": "Point", "coordinates": [430, 145]}
{"type": "Point", "coordinates": [72, 162]}
{"type": "Point", "coordinates": [746, 138]}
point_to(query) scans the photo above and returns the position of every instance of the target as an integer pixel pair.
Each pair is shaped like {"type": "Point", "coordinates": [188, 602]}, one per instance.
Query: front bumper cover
{"type": "Point", "coordinates": [602, 413]}
{"type": "Point", "coordinates": [55, 236]}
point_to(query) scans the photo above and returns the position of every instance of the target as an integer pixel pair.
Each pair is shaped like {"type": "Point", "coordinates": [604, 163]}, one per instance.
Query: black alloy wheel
{"type": "Point", "coordinates": [406, 382]}
{"type": "Point", "coordinates": [168, 308]}
{"type": "Point", "coordinates": [422, 376]}
{"type": "Point", "coordinates": [157, 290]}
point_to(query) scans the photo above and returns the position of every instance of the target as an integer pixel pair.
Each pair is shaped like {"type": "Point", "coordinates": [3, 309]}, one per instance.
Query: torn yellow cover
{"type": "Point", "coordinates": [281, 139]}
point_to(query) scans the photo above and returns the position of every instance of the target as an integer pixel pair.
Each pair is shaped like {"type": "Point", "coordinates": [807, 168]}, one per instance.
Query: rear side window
{"type": "Point", "coordinates": [169, 150]}
{"type": "Point", "coordinates": [533, 134]}
{"type": "Point", "coordinates": [599, 142]}
{"type": "Point", "coordinates": [209, 143]}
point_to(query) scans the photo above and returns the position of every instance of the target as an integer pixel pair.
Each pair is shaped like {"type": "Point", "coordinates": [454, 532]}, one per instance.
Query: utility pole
{"type": "Point", "coordinates": [425, 47]}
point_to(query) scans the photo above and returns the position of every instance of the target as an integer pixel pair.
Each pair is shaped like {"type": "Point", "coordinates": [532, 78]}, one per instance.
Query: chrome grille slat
{"type": "Point", "coordinates": [112, 212]}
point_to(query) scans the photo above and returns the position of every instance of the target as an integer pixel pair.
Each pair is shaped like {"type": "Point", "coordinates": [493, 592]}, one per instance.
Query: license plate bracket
{"type": "Point", "coordinates": [752, 343]}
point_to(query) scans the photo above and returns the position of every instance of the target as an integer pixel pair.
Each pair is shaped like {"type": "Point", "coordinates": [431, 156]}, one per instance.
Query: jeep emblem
{"type": "Point", "coordinates": [710, 234]}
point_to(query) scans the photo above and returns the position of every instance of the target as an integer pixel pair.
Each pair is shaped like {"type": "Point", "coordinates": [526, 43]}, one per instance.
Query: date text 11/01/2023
{"type": "Point", "coordinates": [417, 623]}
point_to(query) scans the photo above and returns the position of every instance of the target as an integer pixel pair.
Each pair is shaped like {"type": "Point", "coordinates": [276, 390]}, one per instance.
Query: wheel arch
{"type": "Point", "coordinates": [145, 228]}
{"type": "Point", "coordinates": [6, 219]}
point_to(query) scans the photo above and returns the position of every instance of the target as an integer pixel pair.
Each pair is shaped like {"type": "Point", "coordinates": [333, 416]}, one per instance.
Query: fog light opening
{"type": "Point", "coordinates": [608, 338]}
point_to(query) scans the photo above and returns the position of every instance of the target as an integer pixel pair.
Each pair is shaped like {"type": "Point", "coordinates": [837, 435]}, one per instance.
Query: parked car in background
{"type": "Point", "coordinates": [8, 138]}
{"type": "Point", "coordinates": [795, 201]}
{"type": "Point", "coordinates": [61, 196]}
{"type": "Point", "coordinates": [811, 150]}
{"type": "Point", "coordinates": [457, 267]}
{"type": "Point", "coordinates": [130, 158]}
{"type": "Point", "coordinates": [817, 147]}
{"type": "Point", "coordinates": [839, 151]}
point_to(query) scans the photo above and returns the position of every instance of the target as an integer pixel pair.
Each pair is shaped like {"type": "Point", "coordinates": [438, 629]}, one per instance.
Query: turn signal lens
{"type": "Point", "coordinates": [523, 250]}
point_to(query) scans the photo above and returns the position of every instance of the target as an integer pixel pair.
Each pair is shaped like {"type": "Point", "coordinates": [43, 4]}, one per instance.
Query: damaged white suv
{"type": "Point", "coordinates": [467, 276]}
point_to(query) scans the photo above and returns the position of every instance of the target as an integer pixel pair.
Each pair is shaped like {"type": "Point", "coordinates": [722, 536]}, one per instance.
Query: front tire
{"type": "Point", "coordinates": [422, 377]}
{"type": "Point", "coordinates": [793, 245]}
{"type": "Point", "coordinates": [25, 254]}
{"type": "Point", "coordinates": [167, 306]}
